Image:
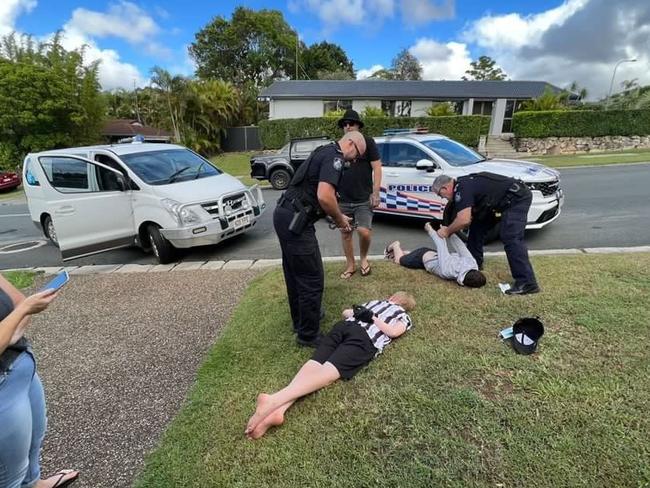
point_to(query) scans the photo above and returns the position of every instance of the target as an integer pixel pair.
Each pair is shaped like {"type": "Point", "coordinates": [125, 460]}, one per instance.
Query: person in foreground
{"type": "Point", "coordinates": [22, 401]}
{"type": "Point", "coordinates": [352, 343]}
{"type": "Point", "coordinates": [459, 265]}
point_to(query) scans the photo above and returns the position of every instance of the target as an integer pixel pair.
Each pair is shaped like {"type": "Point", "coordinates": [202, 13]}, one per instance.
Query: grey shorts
{"type": "Point", "coordinates": [361, 212]}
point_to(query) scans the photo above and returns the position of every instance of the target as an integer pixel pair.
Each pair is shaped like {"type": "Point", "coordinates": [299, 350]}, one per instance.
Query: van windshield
{"type": "Point", "coordinates": [169, 166]}
{"type": "Point", "coordinates": [453, 152]}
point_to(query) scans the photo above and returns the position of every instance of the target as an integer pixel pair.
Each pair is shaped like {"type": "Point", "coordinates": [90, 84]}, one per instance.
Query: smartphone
{"type": "Point", "coordinates": [57, 282]}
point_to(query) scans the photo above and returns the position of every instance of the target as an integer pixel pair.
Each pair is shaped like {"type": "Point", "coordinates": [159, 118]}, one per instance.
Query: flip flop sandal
{"type": "Point", "coordinates": [346, 275]}
{"type": "Point", "coordinates": [60, 483]}
{"type": "Point", "coordinates": [388, 253]}
{"type": "Point", "coordinates": [366, 271]}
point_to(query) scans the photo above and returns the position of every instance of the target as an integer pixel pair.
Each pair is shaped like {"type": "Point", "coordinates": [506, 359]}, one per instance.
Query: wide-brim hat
{"type": "Point", "coordinates": [351, 116]}
{"type": "Point", "coordinates": [526, 333]}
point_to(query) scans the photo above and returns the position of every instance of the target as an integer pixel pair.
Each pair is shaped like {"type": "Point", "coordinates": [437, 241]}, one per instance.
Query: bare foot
{"type": "Point", "coordinates": [63, 478]}
{"type": "Point", "coordinates": [275, 418]}
{"type": "Point", "coordinates": [264, 407]}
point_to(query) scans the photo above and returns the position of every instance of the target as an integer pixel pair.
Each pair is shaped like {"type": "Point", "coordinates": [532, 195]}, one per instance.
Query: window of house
{"type": "Point", "coordinates": [396, 108]}
{"type": "Point", "coordinates": [482, 107]}
{"type": "Point", "coordinates": [331, 105]}
{"type": "Point", "coordinates": [512, 106]}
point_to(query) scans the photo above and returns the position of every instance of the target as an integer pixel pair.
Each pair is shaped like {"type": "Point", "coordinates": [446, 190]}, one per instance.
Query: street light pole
{"type": "Point", "coordinates": [611, 85]}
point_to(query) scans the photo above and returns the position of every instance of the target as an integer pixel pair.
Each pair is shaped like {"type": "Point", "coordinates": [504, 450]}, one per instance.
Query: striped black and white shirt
{"type": "Point", "coordinates": [389, 313]}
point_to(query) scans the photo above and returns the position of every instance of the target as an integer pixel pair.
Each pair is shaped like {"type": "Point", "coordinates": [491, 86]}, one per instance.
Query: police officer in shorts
{"type": "Point", "coordinates": [359, 195]}
{"type": "Point", "coordinates": [477, 198]}
{"type": "Point", "coordinates": [310, 196]}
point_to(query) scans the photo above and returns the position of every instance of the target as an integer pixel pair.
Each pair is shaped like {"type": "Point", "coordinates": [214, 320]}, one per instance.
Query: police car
{"type": "Point", "coordinates": [412, 160]}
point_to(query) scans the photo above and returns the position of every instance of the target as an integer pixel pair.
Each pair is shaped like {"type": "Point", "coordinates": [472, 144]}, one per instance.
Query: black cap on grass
{"type": "Point", "coordinates": [526, 333]}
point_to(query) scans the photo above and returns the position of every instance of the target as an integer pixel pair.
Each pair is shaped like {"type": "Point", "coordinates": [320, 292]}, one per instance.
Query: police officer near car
{"type": "Point", "coordinates": [476, 200]}
{"type": "Point", "coordinates": [311, 195]}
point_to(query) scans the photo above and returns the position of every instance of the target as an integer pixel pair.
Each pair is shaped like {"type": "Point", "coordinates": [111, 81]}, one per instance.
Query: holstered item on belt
{"type": "Point", "coordinates": [515, 192]}
{"type": "Point", "coordinates": [11, 353]}
{"type": "Point", "coordinates": [300, 218]}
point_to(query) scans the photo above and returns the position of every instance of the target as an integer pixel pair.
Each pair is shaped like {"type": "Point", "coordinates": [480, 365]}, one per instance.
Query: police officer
{"type": "Point", "coordinates": [311, 195]}
{"type": "Point", "coordinates": [477, 198]}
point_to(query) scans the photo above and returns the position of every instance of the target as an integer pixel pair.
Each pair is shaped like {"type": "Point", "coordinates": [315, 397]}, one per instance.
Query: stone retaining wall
{"type": "Point", "coordinates": [568, 145]}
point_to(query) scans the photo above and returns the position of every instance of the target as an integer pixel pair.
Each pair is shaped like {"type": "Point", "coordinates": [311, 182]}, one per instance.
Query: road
{"type": "Point", "coordinates": [604, 206]}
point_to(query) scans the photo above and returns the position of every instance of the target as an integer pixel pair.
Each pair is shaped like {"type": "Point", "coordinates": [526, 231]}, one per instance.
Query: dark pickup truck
{"type": "Point", "coordinates": [280, 166]}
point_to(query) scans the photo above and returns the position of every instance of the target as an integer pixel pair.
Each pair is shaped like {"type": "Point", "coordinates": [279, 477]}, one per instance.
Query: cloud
{"type": "Point", "coordinates": [441, 61]}
{"type": "Point", "coordinates": [580, 40]}
{"type": "Point", "coordinates": [10, 10]}
{"type": "Point", "coordinates": [362, 74]}
{"type": "Point", "coordinates": [425, 11]}
{"type": "Point", "coordinates": [124, 20]}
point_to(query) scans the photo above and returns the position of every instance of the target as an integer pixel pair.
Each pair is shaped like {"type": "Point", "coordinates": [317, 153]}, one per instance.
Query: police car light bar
{"type": "Point", "coordinates": [416, 130]}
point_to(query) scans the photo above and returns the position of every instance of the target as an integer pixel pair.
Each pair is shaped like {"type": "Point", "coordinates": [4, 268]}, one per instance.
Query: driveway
{"type": "Point", "coordinates": [117, 354]}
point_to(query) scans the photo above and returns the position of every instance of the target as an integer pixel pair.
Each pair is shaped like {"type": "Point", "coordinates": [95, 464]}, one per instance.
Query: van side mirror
{"type": "Point", "coordinates": [425, 165]}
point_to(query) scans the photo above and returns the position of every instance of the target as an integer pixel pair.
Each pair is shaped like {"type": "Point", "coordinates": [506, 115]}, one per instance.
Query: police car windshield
{"type": "Point", "coordinates": [169, 166]}
{"type": "Point", "coordinates": [453, 152]}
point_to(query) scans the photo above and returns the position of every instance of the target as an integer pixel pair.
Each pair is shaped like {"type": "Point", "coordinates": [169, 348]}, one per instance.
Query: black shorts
{"type": "Point", "coordinates": [413, 260]}
{"type": "Point", "coordinates": [347, 347]}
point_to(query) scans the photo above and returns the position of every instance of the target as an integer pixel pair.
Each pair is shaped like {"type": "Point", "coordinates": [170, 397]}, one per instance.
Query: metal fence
{"type": "Point", "coordinates": [241, 139]}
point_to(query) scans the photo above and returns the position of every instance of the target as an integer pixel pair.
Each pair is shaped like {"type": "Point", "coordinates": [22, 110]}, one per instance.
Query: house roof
{"type": "Point", "coordinates": [398, 89]}
{"type": "Point", "coordinates": [128, 127]}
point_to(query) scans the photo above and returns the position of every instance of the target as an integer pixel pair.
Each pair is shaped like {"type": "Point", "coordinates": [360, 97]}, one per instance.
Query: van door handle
{"type": "Point", "coordinates": [65, 210]}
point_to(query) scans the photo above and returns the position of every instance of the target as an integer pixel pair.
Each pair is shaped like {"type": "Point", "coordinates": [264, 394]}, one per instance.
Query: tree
{"type": "Point", "coordinates": [173, 88]}
{"type": "Point", "coordinates": [49, 97]}
{"type": "Point", "coordinates": [441, 109]}
{"type": "Point", "coordinates": [485, 68]}
{"type": "Point", "coordinates": [325, 61]}
{"type": "Point", "coordinates": [577, 89]}
{"type": "Point", "coordinates": [370, 111]}
{"type": "Point", "coordinates": [383, 74]}
{"type": "Point", "coordinates": [549, 100]}
{"type": "Point", "coordinates": [254, 46]}
{"type": "Point", "coordinates": [406, 66]}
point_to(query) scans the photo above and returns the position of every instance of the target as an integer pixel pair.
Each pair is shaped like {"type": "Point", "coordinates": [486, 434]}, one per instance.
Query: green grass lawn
{"type": "Point", "coordinates": [594, 158]}
{"type": "Point", "coordinates": [20, 279]}
{"type": "Point", "coordinates": [448, 404]}
{"type": "Point", "coordinates": [237, 164]}
{"type": "Point", "coordinates": [16, 193]}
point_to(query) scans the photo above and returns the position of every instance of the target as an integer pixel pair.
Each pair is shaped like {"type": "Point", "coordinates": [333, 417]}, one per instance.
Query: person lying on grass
{"type": "Point", "coordinates": [459, 265]}
{"type": "Point", "coordinates": [352, 343]}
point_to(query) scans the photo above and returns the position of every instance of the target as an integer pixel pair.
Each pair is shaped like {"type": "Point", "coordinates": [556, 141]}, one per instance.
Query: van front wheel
{"type": "Point", "coordinates": [50, 231]}
{"type": "Point", "coordinates": [161, 247]}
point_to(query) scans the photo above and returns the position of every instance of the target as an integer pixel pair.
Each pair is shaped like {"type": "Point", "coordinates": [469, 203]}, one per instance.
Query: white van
{"type": "Point", "coordinates": [158, 196]}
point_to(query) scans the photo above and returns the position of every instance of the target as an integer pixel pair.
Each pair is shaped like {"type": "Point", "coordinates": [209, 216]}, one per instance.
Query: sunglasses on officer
{"type": "Point", "coordinates": [349, 123]}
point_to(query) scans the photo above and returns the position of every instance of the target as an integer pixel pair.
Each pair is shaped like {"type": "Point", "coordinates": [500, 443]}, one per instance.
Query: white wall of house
{"type": "Point", "coordinates": [498, 112]}
{"type": "Point", "coordinates": [468, 106]}
{"type": "Point", "coordinates": [419, 107]}
{"type": "Point", "coordinates": [295, 109]}
{"type": "Point", "coordinates": [359, 105]}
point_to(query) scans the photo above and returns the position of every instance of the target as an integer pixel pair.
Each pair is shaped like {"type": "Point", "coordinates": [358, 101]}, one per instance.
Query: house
{"type": "Point", "coordinates": [313, 98]}
{"type": "Point", "coordinates": [116, 129]}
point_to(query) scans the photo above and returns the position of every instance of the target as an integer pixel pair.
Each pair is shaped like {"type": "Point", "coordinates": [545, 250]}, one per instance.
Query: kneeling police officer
{"type": "Point", "coordinates": [477, 198]}
{"type": "Point", "coordinates": [311, 195]}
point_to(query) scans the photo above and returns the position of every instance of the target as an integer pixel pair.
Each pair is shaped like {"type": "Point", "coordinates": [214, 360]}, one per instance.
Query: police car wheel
{"type": "Point", "coordinates": [161, 247]}
{"type": "Point", "coordinates": [280, 179]}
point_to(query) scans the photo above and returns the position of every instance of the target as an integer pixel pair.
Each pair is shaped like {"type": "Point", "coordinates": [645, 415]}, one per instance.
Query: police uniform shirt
{"type": "Point", "coordinates": [326, 164]}
{"type": "Point", "coordinates": [356, 183]}
{"type": "Point", "coordinates": [478, 190]}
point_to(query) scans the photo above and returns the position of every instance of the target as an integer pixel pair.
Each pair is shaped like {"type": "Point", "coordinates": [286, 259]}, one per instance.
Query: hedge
{"type": "Point", "coordinates": [463, 128]}
{"type": "Point", "coordinates": [581, 123]}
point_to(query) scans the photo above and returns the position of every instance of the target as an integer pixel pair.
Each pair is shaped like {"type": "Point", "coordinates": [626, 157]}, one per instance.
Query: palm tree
{"type": "Point", "coordinates": [173, 89]}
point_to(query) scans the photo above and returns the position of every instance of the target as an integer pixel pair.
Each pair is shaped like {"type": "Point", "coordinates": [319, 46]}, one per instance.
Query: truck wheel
{"type": "Point", "coordinates": [161, 247]}
{"type": "Point", "coordinates": [280, 179]}
{"type": "Point", "coordinates": [50, 231]}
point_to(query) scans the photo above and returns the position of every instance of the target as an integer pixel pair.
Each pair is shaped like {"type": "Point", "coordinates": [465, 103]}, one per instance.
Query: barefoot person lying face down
{"type": "Point", "coordinates": [351, 344]}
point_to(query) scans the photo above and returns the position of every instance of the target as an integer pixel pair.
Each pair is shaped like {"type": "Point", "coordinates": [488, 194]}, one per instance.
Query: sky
{"type": "Point", "coordinates": [546, 40]}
